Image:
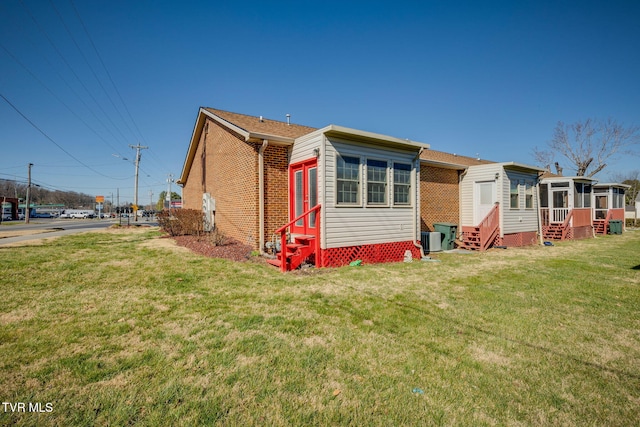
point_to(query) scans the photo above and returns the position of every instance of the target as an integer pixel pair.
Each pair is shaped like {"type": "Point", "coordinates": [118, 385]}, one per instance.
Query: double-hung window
{"type": "Point", "coordinates": [514, 194]}
{"type": "Point", "coordinates": [401, 184]}
{"type": "Point", "coordinates": [528, 195]}
{"type": "Point", "coordinates": [348, 180]}
{"type": "Point", "coordinates": [376, 182]}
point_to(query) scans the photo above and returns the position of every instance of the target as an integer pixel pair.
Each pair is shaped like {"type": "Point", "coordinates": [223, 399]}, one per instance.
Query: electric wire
{"type": "Point", "coordinates": [95, 49]}
{"type": "Point", "coordinates": [95, 75]}
{"type": "Point", "coordinates": [49, 138]}
{"type": "Point", "coordinates": [80, 81]}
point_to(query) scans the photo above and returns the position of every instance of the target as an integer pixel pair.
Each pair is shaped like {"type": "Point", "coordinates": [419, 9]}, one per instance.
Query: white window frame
{"type": "Point", "coordinates": [386, 183]}
{"type": "Point", "coordinates": [515, 182]}
{"type": "Point", "coordinates": [409, 185]}
{"type": "Point", "coordinates": [359, 182]}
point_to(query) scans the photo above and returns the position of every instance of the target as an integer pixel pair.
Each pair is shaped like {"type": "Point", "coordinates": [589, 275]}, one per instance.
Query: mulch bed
{"type": "Point", "coordinates": [231, 249]}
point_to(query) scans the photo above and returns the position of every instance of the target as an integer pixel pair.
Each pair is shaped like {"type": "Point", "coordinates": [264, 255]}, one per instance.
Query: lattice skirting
{"type": "Point", "coordinates": [369, 254]}
{"type": "Point", "coordinates": [525, 238]}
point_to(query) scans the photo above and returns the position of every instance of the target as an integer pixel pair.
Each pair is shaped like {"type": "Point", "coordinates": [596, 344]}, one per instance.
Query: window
{"type": "Point", "coordinates": [376, 182]}
{"type": "Point", "coordinates": [528, 195]}
{"type": "Point", "coordinates": [348, 180]}
{"type": "Point", "coordinates": [514, 195]}
{"type": "Point", "coordinates": [401, 184]}
{"type": "Point", "coordinates": [587, 195]}
{"type": "Point", "coordinates": [582, 195]}
{"type": "Point", "coordinates": [618, 198]}
{"type": "Point", "coordinates": [544, 195]}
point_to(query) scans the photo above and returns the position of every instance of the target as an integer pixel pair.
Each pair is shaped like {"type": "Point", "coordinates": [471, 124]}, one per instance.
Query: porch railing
{"type": "Point", "coordinates": [488, 228]}
{"type": "Point", "coordinates": [559, 214]}
{"type": "Point", "coordinates": [565, 225]}
{"type": "Point", "coordinates": [283, 235]}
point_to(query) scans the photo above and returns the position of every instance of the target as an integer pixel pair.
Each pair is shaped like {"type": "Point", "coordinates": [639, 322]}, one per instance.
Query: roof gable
{"type": "Point", "coordinates": [248, 127]}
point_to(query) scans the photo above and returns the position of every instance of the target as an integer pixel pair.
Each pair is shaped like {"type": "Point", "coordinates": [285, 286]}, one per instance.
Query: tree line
{"type": "Point", "coordinates": [42, 196]}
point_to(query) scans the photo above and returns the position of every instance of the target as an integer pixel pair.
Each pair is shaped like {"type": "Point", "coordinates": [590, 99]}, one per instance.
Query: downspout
{"type": "Point", "coordinates": [263, 147]}
{"type": "Point", "coordinates": [537, 193]}
{"type": "Point", "coordinates": [461, 176]}
{"type": "Point", "coordinates": [416, 214]}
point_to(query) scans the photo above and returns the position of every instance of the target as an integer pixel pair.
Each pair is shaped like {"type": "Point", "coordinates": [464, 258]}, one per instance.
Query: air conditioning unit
{"type": "Point", "coordinates": [431, 241]}
{"type": "Point", "coordinates": [208, 210]}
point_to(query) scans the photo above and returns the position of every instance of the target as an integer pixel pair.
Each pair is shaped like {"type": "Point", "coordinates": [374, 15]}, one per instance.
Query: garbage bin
{"type": "Point", "coordinates": [615, 226]}
{"type": "Point", "coordinates": [449, 232]}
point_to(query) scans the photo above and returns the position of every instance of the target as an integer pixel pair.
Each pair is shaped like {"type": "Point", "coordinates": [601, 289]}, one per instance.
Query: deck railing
{"type": "Point", "coordinates": [559, 214]}
{"type": "Point", "coordinates": [283, 235]}
{"type": "Point", "coordinates": [489, 226]}
{"type": "Point", "coordinates": [565, 224]}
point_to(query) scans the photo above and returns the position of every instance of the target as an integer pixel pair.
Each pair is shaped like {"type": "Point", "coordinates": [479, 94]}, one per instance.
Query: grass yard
{"type": "Point", "coordinates": [122, 328]}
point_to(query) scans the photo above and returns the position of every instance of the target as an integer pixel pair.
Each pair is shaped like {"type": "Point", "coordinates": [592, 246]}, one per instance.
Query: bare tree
{"type": "Point", "coordinates": [588, 145]}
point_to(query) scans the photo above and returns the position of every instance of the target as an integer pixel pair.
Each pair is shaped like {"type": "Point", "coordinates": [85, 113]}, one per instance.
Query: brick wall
{"type": "Point", "coordinates": [276, 184]}
{"type": "Point", "coordinates": [229, 173]}
{"type": "Point", "coordinates": [439, 196]}
{"type": "Point", "coordinates": [226, 167]}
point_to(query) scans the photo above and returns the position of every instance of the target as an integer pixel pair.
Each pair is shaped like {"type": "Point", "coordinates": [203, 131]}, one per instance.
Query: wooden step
{"type": "Point", "coordinates": [275, 262]}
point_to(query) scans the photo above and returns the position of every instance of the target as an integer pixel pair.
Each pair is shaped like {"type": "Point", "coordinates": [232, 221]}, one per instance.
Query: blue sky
{"type": "Point", "coordinates": [474, 78]}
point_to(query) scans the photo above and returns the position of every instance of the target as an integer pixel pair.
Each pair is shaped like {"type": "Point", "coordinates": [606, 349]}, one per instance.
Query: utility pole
{"type": "Point", "coordinates": [168, 196]}
{"type": "Point", "coordinates": [135, 189]}
{"type": "Point", "coordinates": [26, 210]}
{"type": "Point", "coordinates": [151, 200]}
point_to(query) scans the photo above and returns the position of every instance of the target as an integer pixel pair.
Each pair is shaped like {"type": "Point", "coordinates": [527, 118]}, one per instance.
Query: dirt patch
{"type": "Point", "coordinates": [231, 250]}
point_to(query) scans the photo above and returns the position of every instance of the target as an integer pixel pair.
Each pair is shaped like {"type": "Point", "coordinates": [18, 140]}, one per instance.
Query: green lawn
{"type": "Point", "coordinates": [115, 329]}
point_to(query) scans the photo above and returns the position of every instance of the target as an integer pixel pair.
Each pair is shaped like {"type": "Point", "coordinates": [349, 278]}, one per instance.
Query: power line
{"type": "Point", "coordinates": [55, 96]}
{"type": "Point", "coordinates": [63, 58]}
{"type": "Point", "coordinates": [95, 75]}
{"type": "Point", "coordinates": [51, 139]}
{"type": "Point", "coordinates": [84, 27]}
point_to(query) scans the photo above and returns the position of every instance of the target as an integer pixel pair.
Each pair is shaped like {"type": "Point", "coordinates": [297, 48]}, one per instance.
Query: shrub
{"type": "Point", "coordinates": [630, 222]}
{"type": "Point", "coordinates": [216, 238]}
{"type": "Point", "coordinates": [181, 222]}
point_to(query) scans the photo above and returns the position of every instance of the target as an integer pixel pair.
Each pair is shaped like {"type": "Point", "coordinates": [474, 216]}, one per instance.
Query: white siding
{"type": "Point", "coordinates": [511, 220]}
{"type": "Point", "coordinates": [521, 219]}
{"type": "Point", "coordinates": [304, 146]}
{"type": "Point", "coordinates": [349, 226]}
{"type": "Point", "coordinates": [467, 187]}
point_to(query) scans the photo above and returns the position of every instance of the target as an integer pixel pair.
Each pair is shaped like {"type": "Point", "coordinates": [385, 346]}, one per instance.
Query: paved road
{"type": "Point", "coordinates": [45, 228]}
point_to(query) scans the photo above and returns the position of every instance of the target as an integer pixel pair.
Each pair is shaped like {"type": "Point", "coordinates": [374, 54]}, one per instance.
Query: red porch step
{"type": "Point", "coordinates": [295, 253]}
{"type": "Point", "coordinates": [471, 238]}
{"type": "Point", "coordinates": [600, 226]}
{"type": "Point", "coordinates": [554, 232]}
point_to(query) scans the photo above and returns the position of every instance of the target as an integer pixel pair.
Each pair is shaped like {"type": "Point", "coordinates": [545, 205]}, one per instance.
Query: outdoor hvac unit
{"type": "Point", "coordinates": [431, 241]}
{"type": "Point", "coordinates": [208, 210]}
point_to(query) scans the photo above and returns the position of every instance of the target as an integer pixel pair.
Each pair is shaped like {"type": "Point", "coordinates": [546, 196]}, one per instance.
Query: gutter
{"type": "Point", "coordinates": [263, 147]}
{"type": "Point", "coordinates": [416, 213]}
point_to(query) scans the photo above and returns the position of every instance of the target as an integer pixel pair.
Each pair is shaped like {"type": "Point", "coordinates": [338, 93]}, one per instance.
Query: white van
{"type": "Point", "coordinates": [78, 213]}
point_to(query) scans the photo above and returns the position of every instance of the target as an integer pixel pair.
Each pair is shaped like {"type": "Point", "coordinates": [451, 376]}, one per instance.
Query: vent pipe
{"type": "Point", "coordinates": [288, 119]}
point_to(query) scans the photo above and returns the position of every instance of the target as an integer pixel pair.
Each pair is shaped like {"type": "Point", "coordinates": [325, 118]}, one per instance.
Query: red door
{"type": "Point", "coordinates": [303, 195]}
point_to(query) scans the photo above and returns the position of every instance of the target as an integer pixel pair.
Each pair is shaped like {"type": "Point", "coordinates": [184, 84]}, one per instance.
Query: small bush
{"type": "Point", "coordinates": [630, 222]}
{"type": "Point", "coordinates": [216, 238]}
{"type": "Point", "coordinates": [181, 222]}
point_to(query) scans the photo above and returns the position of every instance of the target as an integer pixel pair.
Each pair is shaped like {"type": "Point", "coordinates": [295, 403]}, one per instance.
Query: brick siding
{"type": "Point", "coordinates": [439, 196]}
{"type": "Point", "coordinates": [229, 173]}
{"type": "Point", "coordinates": [226, 167]}
{"type": "Point", "coordinates": [276, 184]}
